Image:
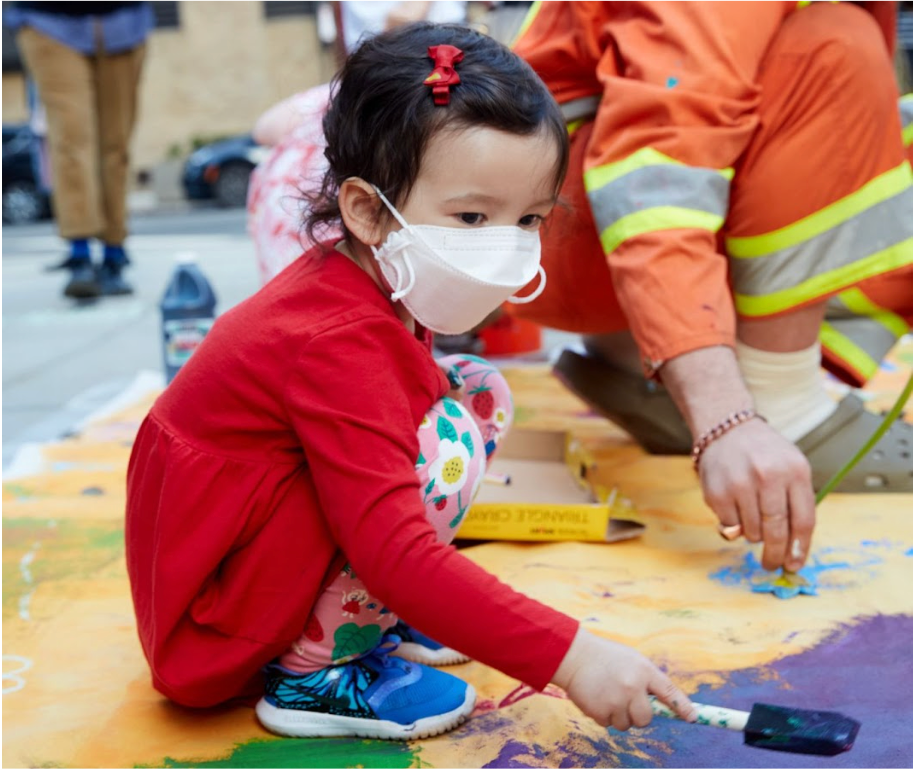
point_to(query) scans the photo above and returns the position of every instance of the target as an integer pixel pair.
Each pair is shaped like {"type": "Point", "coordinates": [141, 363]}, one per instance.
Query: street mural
{"type": "Point", "coordinates": [76, 691]}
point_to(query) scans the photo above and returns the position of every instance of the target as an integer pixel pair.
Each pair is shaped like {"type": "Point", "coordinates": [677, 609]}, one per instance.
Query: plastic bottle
{"type": "Point", "coordinates": [188, 310]}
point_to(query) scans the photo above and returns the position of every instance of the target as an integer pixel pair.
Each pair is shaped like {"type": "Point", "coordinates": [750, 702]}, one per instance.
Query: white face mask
{"type": "Point", "coordinates": [450, 278]}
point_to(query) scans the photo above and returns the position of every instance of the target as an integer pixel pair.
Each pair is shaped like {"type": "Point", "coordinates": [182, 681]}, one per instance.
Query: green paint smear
{"type": "Point", "coordinates": [523, 414]}
{"type": "Point", "coordinates": [68, 549]}
{"type": "Point", "coordinates": [312, 752]}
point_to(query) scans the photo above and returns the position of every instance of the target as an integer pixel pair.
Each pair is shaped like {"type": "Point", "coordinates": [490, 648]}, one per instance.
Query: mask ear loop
{"type": "Point", "coordinates": [400, 246]}
{"type": "Point", "coordinates": [412, 279]}
{"type": "Point", "coordinates": [401, 221]}
{"type": "Point", "coordinates": [535, 294]}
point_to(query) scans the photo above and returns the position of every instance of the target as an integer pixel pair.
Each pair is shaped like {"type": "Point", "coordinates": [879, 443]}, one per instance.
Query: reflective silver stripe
{"type": "Point", "coordinates": [580, 108]}
{"type": "Point", "coordinates": [886, 224]}
{"type": "Point", "coordinates": [663, 184]}
{"type": "Point", "coordinates": [905, 105]}
{"type": "Point", "coordinates": [864, 332]}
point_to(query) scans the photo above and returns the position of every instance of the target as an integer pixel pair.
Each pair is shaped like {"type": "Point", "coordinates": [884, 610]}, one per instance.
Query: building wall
{"type": "Point", "coordinates": [212, 76]}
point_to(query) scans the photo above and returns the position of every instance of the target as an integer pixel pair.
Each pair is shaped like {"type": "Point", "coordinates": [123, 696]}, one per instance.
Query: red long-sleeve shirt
{"type": "Point", "coordinates": [289, 438]}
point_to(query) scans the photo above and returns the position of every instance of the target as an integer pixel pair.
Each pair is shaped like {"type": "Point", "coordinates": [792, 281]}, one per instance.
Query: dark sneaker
{"type": "Point", "coordinates": [111, 282]}
{"type": "Point", "coordinates": [643, 409]}
{"type": "Point", "coordinates": [376, 696]}
{"type": "Point", "coordinates": [83, 283]}
{"type": "Point", "coordinates": [68, 263]}
{"type": "Point", "coordinates": [421, 649]}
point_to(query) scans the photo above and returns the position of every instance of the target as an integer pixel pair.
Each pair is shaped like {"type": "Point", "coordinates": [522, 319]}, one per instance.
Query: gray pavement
{"type": "Point", "coordinates": [63, 360]}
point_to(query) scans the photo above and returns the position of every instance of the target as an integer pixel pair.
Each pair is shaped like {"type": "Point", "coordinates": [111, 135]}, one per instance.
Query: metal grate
{"type": "Point", "coordinates": [12, 61]}
{"type": "Point", "coordinates": [275, 9]}
{"type": "Point", "coordinates": [167, 15]}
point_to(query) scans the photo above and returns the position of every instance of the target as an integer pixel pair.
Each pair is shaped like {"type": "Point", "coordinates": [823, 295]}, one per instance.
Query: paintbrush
{"type": "Point", "coordinates": [792, 582]}
{"type": "Point", "coordinates": [799, 731]}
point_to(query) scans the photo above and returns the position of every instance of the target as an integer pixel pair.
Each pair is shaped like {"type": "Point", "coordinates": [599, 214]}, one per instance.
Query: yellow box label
{"type": "Point", "coordinates": [535, 521]}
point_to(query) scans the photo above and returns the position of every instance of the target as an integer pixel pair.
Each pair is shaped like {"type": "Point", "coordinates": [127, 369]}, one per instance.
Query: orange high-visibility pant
{"type": "Point", "coordinates": [819, 207]}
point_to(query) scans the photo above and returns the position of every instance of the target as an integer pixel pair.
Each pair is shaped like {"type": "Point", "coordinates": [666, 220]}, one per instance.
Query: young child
{"type": "Point", "coordinates": [293, 491]}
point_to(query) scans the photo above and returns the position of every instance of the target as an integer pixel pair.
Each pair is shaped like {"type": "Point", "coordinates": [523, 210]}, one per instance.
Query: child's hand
{"type": "Point", "coordinates": [611, 683]}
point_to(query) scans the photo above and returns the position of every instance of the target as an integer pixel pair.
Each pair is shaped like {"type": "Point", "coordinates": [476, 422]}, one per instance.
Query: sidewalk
{"type": "Point", "coordinates": [62, 359]}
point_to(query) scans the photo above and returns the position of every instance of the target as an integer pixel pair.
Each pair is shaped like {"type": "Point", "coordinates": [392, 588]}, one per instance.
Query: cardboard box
{"type": "Point", "coordinates": [550, 496]}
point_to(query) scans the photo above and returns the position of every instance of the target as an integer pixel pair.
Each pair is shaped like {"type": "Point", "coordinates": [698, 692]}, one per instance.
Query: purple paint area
{"type": "Point", "coordinates": [864, 671]}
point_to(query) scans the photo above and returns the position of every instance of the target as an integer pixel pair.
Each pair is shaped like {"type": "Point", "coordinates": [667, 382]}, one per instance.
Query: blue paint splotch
{"type": "Point", "coordinates": [864, 670]}
{"type": "Point", "coordinates": [830, 568]}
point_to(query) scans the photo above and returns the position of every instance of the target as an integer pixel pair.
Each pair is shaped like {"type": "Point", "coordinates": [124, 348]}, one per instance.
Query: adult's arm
{"type": "Point", "coordinates": [676, 103]}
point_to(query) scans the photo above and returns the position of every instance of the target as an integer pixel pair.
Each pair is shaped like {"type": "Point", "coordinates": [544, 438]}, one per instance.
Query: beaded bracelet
{"type": "Point", "coordinates": [732, 421]}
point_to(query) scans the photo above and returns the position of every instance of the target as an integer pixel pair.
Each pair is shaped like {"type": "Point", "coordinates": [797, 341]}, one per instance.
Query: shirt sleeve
{"type": "Point", "coordinates": [349, 399]}
{"type": "Point", "coordinates": [676, 107]}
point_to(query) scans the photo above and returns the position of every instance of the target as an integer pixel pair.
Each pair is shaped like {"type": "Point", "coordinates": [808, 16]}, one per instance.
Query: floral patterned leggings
{"type": "Point", "coordinates": [457, 441]}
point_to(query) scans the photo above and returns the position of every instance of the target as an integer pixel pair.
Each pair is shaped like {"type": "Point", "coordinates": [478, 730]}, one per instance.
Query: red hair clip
{"type": "Point", "coordinates": [444, 75]}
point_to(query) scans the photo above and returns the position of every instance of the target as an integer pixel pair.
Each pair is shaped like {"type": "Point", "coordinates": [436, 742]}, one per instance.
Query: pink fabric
{"type": "Point", "coordinates": [457, 443]}
{"type": "Point", "coordinates": [275, 192]}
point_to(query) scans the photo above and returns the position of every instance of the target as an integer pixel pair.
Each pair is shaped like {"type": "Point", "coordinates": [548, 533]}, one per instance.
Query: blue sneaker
{"type": "Point", "coordinates": [376, 696]}
{"type": "Point", "coordinates": [419, 648]}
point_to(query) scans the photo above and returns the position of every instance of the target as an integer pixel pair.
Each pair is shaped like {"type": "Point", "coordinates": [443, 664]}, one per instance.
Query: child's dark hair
{"type": "Point", "coordinates": [382, 116]}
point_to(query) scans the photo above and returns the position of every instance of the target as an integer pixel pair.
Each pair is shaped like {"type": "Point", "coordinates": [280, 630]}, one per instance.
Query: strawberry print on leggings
{"type": "Point", "coordinates": [457, 442]}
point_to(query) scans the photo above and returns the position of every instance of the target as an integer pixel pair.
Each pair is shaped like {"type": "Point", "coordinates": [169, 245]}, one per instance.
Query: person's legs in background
{"type": "Point", "coordinates": [66, 87]}
{"type": "Point", "coordinates": [117, 78]}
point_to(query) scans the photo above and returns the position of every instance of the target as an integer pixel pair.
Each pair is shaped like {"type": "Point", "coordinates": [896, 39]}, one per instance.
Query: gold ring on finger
{"type": "Point", "coordinates": [730, 532]}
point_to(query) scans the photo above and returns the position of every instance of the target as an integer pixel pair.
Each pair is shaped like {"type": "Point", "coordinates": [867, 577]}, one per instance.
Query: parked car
{"type": "Point", "coordinates": [219, 171]}
{"type": "Point", "coordinates": [25, 198]}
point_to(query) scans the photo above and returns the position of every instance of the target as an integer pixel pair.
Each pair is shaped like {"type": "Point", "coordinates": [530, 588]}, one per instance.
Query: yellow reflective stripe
{"type": "Point", "coordinates": [573, 125]}
{"type": "Point", "coordinates": [648, 156]}
{"type": "Point", "coordinates": [878, 189]}
{"type": "Point", "coordinates": [657, 218]}
{"type": "Point", "coordinates": [907, 135]}
{"type": "Point", "coordinates": [847, 350]}
{"type": "Point", "coordinates": [527, 22]}
{"type": "Point", "coordinates": [888, 259]}
{"type": "Point", "coordinates": [859, 303]}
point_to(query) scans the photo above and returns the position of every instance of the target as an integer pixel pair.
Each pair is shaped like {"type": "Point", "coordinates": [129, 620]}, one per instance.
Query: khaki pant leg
{"type": "Point", "coordinates": [117, 79]}
{"type": "Point", "coordinates": [65, 85]}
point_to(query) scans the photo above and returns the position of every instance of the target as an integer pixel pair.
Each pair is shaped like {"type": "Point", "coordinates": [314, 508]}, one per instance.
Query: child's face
{"type": "Point", "coordinates": [481, 177]}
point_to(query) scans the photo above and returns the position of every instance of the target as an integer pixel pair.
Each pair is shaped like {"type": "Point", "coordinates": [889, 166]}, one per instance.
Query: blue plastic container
{"type": "Point", "coordinates": [188, 310]}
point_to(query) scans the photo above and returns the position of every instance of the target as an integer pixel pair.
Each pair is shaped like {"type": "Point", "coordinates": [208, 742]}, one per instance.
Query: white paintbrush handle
{"type": "Point", "coordinates": [716, 716]}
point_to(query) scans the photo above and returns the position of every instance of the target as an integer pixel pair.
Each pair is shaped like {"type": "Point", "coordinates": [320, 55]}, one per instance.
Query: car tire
{"type": "Point", "coordinates": [22, 202]}
{"type": "Point", "coordinates": [231, 187]}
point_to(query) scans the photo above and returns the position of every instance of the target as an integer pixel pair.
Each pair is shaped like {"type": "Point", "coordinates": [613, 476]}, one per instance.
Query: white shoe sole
{"type": "Point", "coordinates": [308, 724]}
{"type": "Point", "coordinates": [417, 653]}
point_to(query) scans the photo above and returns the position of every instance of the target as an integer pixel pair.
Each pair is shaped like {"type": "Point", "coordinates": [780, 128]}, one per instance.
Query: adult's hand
{"type": "Point", "coordinates": [751, 475]}
{"type": "Point", "coordinates": [754, 477]}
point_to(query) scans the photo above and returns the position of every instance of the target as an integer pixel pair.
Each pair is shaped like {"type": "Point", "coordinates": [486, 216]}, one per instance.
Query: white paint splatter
{"type": "Point", "coordinates": [24, 603]}
{"type": "Point", "coordinates": [25, 561]}
{"type": "Point", "coordinates": [16, 682]}
{"type": "Point", "coordinates": [24, 568]}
